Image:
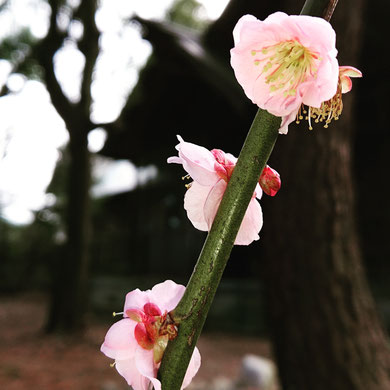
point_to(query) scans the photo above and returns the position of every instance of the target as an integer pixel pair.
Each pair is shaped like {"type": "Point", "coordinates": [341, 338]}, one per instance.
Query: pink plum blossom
{"type": "Point", "coordinates": [284, 62]}
{"type": "Point", "coordinates": [137, 342]}
{"type": "Point", "coordinates": [211, 171]}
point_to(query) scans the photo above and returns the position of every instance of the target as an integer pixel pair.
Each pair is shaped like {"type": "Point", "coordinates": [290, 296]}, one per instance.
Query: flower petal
{"type": "Point", "coordinates": [120, 342]}
{"type": "Point", "coordinates": [192, 369]}
{"type": "Point", "coordinates": [345, 73]}
{"type": "Point", "coordinates": [167, 294]}
{"type": "Point", "coordinates": [253, 34]}
{"type": "Point", "coordinates": [277, 17]}
{"type": "Point", "coordinates": [129, 371]}
{"type": "Point", "coordinates": [312, 32]}
{"type": "Point", "coordinates": [350, 71]}
{"type": "Point", "coordinates": [258, 191]}
{"type": "Point", "coordinates": [174, 160]}
{"type": "Point", "coordinates": [251, 224]}
{"type": "Point", "coordinates": [197, 161]}
{"type": "Point", "coordinates": [324, 87]}
{"type": "Point", "coordinates": [136, 299]}
{"type": "Point", "coordinates": [346, 84]}
{"type": "Point", "coordinates": [240, 24]}
{"type": "Point", "coordinates": [213, 201]}
{"type": "Point", "coordinates": [146, 367]}
{"type": "Point", "coordinates": [286, 120]}
{"type": "Point", "coordinates": [194, 200]}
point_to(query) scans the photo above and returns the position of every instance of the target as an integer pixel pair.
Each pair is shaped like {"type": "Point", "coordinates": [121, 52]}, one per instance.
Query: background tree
{"type": "Point", "coordinates": [35, 58]}
{"type": "Point", "coordinates": [324, 323]}
{"type": "Point", "coordinates": [70, 296]}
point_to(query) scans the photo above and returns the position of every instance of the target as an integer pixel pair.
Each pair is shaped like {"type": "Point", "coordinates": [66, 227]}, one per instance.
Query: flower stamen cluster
{"type": "Point", "coordinates": [330, 109]}
{"type": "Point", "coordinates": [288, 64]}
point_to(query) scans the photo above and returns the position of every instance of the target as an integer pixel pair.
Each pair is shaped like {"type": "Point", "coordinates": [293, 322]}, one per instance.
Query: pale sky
{"type": "Point", "coordinates": [31, 132]}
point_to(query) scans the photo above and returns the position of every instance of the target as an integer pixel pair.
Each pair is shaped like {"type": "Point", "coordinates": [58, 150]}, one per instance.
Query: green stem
{"type": "Point", "coordinates": [192, 310]}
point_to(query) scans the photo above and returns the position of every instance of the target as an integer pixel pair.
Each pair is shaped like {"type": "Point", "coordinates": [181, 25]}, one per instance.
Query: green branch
{"type": "Point", "coordinates": [193, 308]}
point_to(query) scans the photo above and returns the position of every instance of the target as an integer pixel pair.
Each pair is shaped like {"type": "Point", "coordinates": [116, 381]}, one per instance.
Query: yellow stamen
{"type": "Point", "coordinates": [288, 63]}
{"type": "Point", "coordinates": [329, 110]}
{"type": "Point", "coordinates": [187, 177]}
{"type": "Point", "coordinates": [309, 120]}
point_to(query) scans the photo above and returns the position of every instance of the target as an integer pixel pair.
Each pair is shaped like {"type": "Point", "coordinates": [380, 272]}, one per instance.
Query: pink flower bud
{"type": "Point", "coordinates": [270, 181]}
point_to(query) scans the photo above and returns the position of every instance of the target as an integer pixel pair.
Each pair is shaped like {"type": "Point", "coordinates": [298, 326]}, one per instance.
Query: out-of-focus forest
{"type": "Point", "coordinates": [324, 232]}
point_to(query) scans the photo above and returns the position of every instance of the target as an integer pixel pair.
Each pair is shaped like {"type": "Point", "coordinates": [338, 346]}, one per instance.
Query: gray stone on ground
{"type": "Point", "coordinates": [257, 372]}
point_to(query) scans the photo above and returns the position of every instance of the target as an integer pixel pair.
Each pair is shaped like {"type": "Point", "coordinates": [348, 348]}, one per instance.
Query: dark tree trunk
{"type": "Point", "coordinates": [325, 328]}
{"type": "Point", "coordinates": [69, 296]}
{"type": "Point", "coordinates": [69, 301]}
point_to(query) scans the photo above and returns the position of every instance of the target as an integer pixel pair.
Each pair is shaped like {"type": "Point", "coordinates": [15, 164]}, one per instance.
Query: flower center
{"type": "Point", "coordinates": [154, 329]}
{"type": "Point", "coordinates": [286, 65]}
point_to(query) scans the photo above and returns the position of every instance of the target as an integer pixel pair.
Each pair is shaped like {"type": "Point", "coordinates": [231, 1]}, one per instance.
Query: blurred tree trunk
{"type": "Point", "coordinates": [326, 332]}
{"type": "Point", "coordinates": [70, 295]}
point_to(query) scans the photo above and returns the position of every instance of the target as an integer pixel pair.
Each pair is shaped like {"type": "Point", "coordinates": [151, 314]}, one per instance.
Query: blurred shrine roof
{"type": "Point", "coordinates": [187, 87]}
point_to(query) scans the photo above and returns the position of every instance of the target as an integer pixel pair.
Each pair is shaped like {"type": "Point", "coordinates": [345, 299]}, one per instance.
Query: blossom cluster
{"type": "Point", "coordinates": [286, 65]}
